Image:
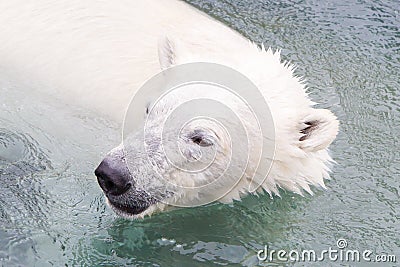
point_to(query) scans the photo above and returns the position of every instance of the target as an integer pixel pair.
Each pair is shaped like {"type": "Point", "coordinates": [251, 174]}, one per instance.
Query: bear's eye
{"type": "Point", "coordinates": [199, 139]}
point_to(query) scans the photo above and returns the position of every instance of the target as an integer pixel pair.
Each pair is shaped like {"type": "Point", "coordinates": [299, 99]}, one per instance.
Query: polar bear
{"type": "Point", "coordinates": [97, 54]}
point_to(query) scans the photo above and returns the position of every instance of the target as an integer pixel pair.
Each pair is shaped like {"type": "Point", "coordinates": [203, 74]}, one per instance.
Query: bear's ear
{"type": "Point", "coordinates": [318, 130]}
{"type": "Point", "coordinates": [166, 52]}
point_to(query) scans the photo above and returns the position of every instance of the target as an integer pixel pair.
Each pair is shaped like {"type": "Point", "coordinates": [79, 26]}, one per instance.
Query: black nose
{"type": "Point", "coordinates": [113, 178]}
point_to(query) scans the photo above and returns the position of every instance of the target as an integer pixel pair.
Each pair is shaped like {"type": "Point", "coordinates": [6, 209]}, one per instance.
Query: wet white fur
{"type": "Point", "coordinates": [97, 53]}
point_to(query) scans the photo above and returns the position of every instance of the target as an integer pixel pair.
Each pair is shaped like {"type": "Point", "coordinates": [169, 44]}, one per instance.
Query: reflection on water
{"type": "Point", "coordinates": [53, 213]}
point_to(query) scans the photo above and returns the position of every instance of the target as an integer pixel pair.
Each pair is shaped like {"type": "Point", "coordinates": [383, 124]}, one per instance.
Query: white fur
{"type": "Point", "coordinates": [97, 53]}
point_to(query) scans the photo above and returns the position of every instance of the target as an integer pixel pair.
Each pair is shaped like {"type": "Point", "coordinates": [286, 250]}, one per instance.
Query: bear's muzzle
{"type": "Point", "coordinates": [118, 185]}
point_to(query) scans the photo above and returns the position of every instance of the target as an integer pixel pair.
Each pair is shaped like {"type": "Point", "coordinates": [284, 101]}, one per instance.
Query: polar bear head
{"type": "Point", "coordinates": [192, 162]}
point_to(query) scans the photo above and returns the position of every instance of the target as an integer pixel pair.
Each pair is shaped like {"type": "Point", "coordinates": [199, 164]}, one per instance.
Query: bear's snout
{"type": "Point", "coordinates": [114, 179]}
{"type": "Point", "coordinates": [118, 185]}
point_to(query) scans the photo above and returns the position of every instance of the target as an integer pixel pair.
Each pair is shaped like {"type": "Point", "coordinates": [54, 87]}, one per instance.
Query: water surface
{"type": "Point", "coordinates": [52, 212]}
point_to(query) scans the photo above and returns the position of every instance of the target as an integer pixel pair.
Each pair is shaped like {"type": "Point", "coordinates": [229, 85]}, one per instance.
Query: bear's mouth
{"type": "Point", "coordinates": [126, 209]}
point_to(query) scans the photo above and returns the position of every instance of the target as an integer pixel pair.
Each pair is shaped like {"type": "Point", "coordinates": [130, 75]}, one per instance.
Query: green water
{"type": "Point", "coordinates": [52, 211]}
